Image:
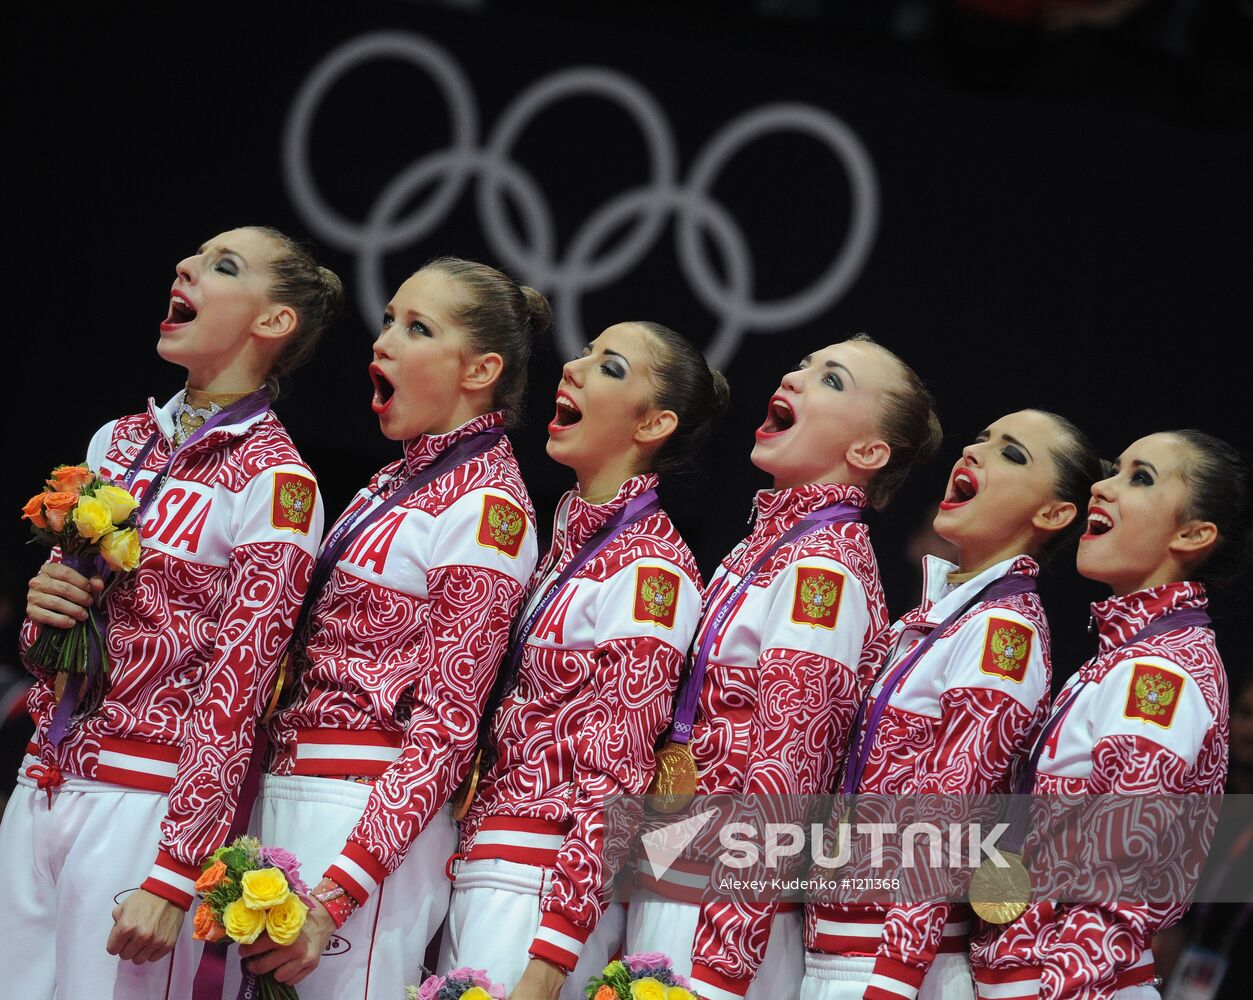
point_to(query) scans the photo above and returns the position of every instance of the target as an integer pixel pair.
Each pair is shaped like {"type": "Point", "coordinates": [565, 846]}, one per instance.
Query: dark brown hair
{"type": "Point", "coordinates": [1219, 488]}
{"type": "Point", "coordinates": [1076, 466]}
{"type": "Point", "coordinates": [909, 425]}
{"type": "Point", "coordinates": [313, 291]}
{"type": "Point", "coordinates": [685, 384]}
{"type": "Point", "coordinates": [499, 316]}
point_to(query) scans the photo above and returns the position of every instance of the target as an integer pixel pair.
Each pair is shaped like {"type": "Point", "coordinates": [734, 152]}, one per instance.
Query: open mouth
{"type": "Point", "coordinates": [566, 415]}
{"type": "Point", "coordinates": [779, 418]}
{"type": "Point", "coordinates": [181, 311]}
{"type": "Point", "coordinates": [384, 391]}
{"type": "Point", "coordinates": [963, 488]}
{"type": "Point", "coordinates": [1099, 523]}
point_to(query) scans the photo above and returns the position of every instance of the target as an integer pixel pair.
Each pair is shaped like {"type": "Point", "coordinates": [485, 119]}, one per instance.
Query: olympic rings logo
{"type": "Point", "coordinates": [588, 261]}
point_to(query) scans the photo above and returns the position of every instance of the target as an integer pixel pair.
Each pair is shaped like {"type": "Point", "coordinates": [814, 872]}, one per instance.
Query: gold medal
{"type": "Point", "coordinates": [674, 783]}
{"type": "Point", "coordinates": [1000, 895]}
{"type": "Point", "coordinates": [464, 795]}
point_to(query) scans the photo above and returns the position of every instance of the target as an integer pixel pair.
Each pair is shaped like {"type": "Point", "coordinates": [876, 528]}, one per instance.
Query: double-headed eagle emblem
{"type": "Point", "coordinates": [658, 595]}
{"type": "Point", "coordinates": [1009, 649]}
{"type": "Point", "coordinates": [505, 524]}
{"type": "Point", "coordinates": [296, 499]}
{"type": "Point", "coordinates": [818, 596]}
{"type": "Point", "coordinates": [1154, 694]}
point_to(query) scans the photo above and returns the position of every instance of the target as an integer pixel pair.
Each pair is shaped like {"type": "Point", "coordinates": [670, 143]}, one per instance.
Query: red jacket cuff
{"type": "Point", "coordinates": [893, 980]}
{"type": "Point", "coordinates": [559, 941]}
{"type": "Point", "coordinates": [358, 871]}
{"type": "Point", "coordinates": [172, 880]}
{"type": "Point", "coordinates": [713, 985]}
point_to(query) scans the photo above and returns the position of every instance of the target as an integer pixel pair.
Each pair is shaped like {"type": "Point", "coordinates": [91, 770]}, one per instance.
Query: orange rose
{"type": "Point", "coordinates": [211, 878]}
{"type": "Point", "coordinates": [205, 925]}
{"type": "Point", "coordinates": [60, 500]}
{"type": "Point", "coordinates": [606, 993]}
{"type": "Point", "coordinates": [57, 506]}
{"type": "Point", "coordinates": [70, 478]}
{"type": "Point", "coordinates": [33, 511]}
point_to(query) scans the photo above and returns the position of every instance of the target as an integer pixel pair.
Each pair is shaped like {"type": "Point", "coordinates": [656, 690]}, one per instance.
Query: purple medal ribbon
{"type": "Point", "coordinates": [249, 406]}
{"type": "Point", "coordinates": [863, 735]}
{"type": "Point", "coordinates": [351, 527]}
{"type": "Point", "coordinates": [1019, 807]}
{"type": "Point", "coordinates": [641, 506]}
{"type": "Point", "coordinates": [689, 694]}
{"type": "Point", "coordinates": [507, 675]}
{"type": "Point", "coordinates": [1188, 618]}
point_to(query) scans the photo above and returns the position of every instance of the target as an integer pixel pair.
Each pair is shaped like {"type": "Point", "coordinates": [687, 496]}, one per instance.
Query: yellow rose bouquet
{"type": "Point", "coordinates": [646, 975]}
{"type": "Point", "coordinates": [92, 521]}
{"type": "Point", "coordinates": [249, 890]}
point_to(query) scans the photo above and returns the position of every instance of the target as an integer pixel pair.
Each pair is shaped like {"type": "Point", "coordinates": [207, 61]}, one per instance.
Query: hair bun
{"type": "Point", "coordinates": [538, 309]}
{"type": "Point", "coordinates": [334, 289]}
{"type": "Point", "coordinates": [722, 392]}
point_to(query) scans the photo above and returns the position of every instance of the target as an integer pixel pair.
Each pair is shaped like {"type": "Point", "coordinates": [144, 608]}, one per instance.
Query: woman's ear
{"type": "Point", "coordinates": [656, 427]}
{"type": "Point", "coordinates": [1193, 539]}
{"type": "Point", "coordinates": [1055, 515]}
{"type": "Point", "coordinates": [482, 371]}
{"type": "Point", "coordinates": [276, 322]}
{"type": "Point", "coordinates": [868, 456]}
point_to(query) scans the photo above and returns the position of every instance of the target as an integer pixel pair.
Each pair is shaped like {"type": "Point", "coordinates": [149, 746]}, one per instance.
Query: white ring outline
{"type": "Point", "coordinates": [568, 278]}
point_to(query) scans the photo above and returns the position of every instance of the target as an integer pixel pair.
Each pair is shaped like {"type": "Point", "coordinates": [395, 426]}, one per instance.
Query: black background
{"type": "Point", "coordinates": [1078, 246]}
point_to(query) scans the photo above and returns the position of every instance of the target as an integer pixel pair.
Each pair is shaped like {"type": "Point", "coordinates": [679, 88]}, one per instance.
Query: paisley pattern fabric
{"type": "Point", "coordinates": [406, 638]}
{"type": "Point", "coordinates": [958, 723]}
{"type": "Point", "coordinates": [783, 683]}
{"type": "Point", "coordinates": [1105, 746]}
{"type": "Point", "coordinates": [592, 696]}
{"type": "Point", "coordinates": [196, 632]}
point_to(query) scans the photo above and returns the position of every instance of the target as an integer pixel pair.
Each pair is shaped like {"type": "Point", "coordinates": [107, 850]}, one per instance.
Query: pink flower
{"type": "Point", "coordinates": [479, 978]}
{"type": "Point", "coordinates": [429, 990]}
{"type": "Point", "coordinates": [645, 960]}
{"type": "Point", "coordinates": [286, 862]}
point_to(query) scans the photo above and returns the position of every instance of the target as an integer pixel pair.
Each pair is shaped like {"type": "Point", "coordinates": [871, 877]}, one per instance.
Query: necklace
{"type": "Point", "coordinates": [196, 407]}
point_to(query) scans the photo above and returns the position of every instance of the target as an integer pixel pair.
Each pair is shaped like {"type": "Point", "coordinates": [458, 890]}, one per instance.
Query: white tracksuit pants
{"type": "Point", "coordinates": [380, 948]}
{"type": "Point", "coordinates": [63, 869]}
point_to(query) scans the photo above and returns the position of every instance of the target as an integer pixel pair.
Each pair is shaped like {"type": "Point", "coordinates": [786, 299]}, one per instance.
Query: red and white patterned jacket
{"type": "Point", "coordinates": [196, 631]}
{"type": "Point", "coordinates": [957, 724]}
{"type": "Point", "coordinates": [404, 645]}
{"type": "Point", "coordinates": [1115, 740]}
{"type": "Point", "coordinates": [594, 693]}
{"type": "Point", "coordinates": [781, 688]}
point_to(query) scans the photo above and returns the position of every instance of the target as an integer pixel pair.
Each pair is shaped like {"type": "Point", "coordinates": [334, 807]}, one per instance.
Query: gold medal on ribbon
{"type": "Point", "coordinates": [1000, 895]}
{"type": "Point", "coordinates": [674, 782]}
{"type": "Point", "coordinates": [464, 795]}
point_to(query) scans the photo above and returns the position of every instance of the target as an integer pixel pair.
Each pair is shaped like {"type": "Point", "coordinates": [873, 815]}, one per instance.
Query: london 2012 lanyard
{"type": "Point", "coordinates": [864, 729]}
{"type": "Point", "coordinates": [350, 528]}
{"type": "Point", "coordinates": [1020, 806]}
{"type": "Point", "coordinates": [242, 409]}
{"type": "Point", "coordinates": [689, 694]}
{"type": "Point", "coordinates": [639, 507]}
{"type": "Point", "coordinates": [1187, 618]}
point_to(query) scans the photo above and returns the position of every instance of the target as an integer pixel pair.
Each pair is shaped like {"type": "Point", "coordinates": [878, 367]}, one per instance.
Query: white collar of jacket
{"type": "Point", "coordinates": [791, 504]}
{"type": "Point", "coordinates": [577, 520]}
{"type": "Point", "coordinates": [940, 598]}
{"type": "Point", "coordinates": [1120, 618]}
{"type": "Point", "coordinates": [166, 419]}
{"type": "Point", "coordinates": [422, 450]}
